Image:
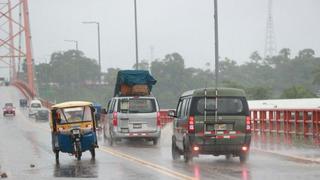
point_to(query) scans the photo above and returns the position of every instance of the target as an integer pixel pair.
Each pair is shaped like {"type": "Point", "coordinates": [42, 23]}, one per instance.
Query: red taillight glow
{"type": "Point", "coordinates": [248, 124]}
{"type": "Point", "coordinates": [196, 148]}
{"type": "Point", "coordinates": [191, 124]}
{"type": "Point", "coordinates": [115, 119]}
{"type": "Point", "coordinates": [244, 148]}
{"type": "Point", "coordinates": [158, 119]}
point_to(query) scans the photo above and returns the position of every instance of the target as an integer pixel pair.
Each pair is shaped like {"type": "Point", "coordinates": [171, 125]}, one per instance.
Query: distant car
{"type": "Point", "coordinates": [23, 103]}
{"type": "Point", "coordinates": [42, 114]}
{"type": "Point", "coordinates": [9, 109]}
{"type": "Point", "coordinates": [35, 105]}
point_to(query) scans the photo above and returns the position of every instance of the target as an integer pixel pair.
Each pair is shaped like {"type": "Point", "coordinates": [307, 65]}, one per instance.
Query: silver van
{"type": "Point", "coordinates": [34, 106]}
{"type": "Point", "coordinates": [132, 117]}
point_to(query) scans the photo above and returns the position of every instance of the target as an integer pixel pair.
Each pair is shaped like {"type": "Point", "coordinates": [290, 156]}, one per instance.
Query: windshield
{"type": "Point", "coordinates": [226, 106]}
{"type": "Point", "coordinates": [8, 104]}
{"type": "Point", "coordinates": [74, 115]}
{"type": "Point", "coordinates": [36, 105]}
{"type": "Point", "coordinates": [137, 106]}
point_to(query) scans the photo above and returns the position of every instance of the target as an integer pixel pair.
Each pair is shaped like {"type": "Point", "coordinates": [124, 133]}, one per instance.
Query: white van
{"type": "Point", "coordinates": [131, 117]}
{"type": "Point", "coordinates": [34, 106]}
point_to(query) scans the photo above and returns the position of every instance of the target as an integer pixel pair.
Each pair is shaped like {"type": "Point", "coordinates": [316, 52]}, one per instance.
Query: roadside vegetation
{"type": "Point", "coordinates": [70, 75]}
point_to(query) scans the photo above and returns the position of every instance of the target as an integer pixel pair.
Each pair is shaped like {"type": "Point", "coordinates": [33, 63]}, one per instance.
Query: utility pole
{"type": "Point", "coordinates": [99, 46]}
{"type": "Point", "coordinates": [74, 41]}
{"type": "Point", "coordinates": [216, 38]}
{"type": "Point", "coordinates": [136, 33]}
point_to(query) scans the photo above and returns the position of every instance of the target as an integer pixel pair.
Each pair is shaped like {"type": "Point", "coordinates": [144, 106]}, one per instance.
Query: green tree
{"type": "Point", "coordinates": [306, 53]}
{"type": "Point", "coordinates": [297, 91]}
{"type": "Point", "coordinates": [259, 93]}
{"type": "Point", "coordinates": [143, 65]}
{"type": "Point", "coordinates": [72, 67]}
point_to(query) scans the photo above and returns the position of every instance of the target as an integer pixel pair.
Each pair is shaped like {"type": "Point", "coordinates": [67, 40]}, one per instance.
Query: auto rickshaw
{"type": "Point", "coordinates": [73, 128]}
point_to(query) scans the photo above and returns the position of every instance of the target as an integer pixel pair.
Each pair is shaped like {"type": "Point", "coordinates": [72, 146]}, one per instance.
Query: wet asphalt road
{"type": "Point", "coordinates": [25, 143]}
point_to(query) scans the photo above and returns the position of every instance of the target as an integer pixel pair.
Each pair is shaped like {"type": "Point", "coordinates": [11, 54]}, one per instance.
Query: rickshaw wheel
{"type": "Point", "coordinates": [57, 156]}
{"type": "Point", "coordinates": [93, 153]}
{"type": "Point", "coordinates": [78, 156]}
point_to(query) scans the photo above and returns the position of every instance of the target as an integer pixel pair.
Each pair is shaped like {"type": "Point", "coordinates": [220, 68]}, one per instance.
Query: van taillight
{"type": "Point", "coordinates": [191, 124]}
{"type": "Point", "coordinates": [115, 119]}
{"type": "Point", "coordinates": [248, 124]}
{"type": "Point", "coordinates": [158, 119]}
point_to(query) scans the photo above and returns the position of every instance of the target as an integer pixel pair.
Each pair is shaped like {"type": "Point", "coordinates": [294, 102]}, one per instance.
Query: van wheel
{"type": "Point", "coordinates": [174, 151]}
{"type": "Point", "coordinates": [243, 157]}
{"type": "Point", "coordinates": [155, 141]}
{"type": "Point", "coordinates": [187, 156]}
{"type": "Point", "coordinates": [110, 141]}
{"type": "Point", "coordinates": [104, 133]}
{"type": "Point", "coordinates": [228, 156]}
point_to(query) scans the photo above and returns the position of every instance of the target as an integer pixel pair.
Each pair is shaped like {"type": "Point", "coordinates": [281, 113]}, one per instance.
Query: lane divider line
{"type": "Point", "coordinates": [141, 162]}
{"type": "Point", "coordinates": [147, 164]}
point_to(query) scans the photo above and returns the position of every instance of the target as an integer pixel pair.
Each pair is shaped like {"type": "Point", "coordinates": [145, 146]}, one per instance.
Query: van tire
{"type": "Point", "coordinates": [187, 156]}
{"type": "Point", "coordinates": [174, 151]}
{"type": "Point", "coordinates": [155, 141]}
{"type": "Point", "coordinates": [228, 156]}
{"type": "Point", "coordinates": [243, 157]}
{"type": "Point", "coordinates": [110, 140]}
{"type": "Point", "coordinates": [104, 133]}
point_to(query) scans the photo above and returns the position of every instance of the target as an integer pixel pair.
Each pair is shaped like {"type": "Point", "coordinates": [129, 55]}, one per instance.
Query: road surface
{"type": "Point", "coordinates": [25, 153]}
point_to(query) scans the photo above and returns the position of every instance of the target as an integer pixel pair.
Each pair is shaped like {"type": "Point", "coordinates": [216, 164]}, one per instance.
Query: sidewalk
{"type": "Point", "coordinates": [300, 152]}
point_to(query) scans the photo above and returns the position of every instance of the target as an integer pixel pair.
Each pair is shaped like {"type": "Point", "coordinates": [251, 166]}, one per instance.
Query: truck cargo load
{"type": "Point", "coordinates": [134, 82]}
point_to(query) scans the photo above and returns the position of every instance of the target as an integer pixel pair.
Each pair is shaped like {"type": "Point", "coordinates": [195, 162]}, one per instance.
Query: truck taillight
{"type": "Point", "coordinates": [248, 124]}
{"type": "Point", "coordinates": [115, 119]}
{"type": "Point", "coordinates": [191, 124]}
{"type": "Point", "coordinates": [158, 119]}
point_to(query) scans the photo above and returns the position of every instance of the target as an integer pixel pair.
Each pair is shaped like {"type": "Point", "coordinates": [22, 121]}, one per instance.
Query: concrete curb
{"type": "Point", "coordinates": [292, 157]}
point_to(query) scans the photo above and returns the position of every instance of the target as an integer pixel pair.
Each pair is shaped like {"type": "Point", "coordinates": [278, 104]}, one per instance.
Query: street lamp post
{"type": "Point", "coordinates": [216, 37]}
{"type": "Point", "coordinates": [136, 33]}
{"type": "Point", "coordinates": [99, 47]}
{"type": "Point", "coordinates": [74, 41]}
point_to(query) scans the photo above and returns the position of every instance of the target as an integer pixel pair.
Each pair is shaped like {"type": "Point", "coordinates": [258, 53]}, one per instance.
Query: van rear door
{"type": "Point", "coordinates": [138, 114]}
{"type": "Point", "coordinates": [226, 121]}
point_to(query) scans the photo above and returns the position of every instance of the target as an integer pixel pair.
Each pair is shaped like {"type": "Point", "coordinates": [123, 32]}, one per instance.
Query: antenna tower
{"type": "Point", "coordinates": [270, 42]}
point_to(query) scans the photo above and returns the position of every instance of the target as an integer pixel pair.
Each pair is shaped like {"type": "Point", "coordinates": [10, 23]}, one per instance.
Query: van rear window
{"type": "Point", "coordinates": [36, 105]}
{"type": "Point", "coordinates": [137, 105]}
{"type": "Point", "coordinates": [223, 106]}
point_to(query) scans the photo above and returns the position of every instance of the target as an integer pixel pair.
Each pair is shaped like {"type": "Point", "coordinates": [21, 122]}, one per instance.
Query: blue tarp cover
{"type": "Point", "coordinates": [133, 77]}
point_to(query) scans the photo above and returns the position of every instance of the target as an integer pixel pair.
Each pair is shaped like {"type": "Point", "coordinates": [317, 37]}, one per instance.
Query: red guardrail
{"type": "Point", "coordinates": [287, 122]}
{"type": "Point", "coordinates": [24, 89]}
{"type": "Point", "coordinates": [164, 118]}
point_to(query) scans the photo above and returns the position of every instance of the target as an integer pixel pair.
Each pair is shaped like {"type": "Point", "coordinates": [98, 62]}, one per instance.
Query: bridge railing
{"type": "Point", "coordinates": [299, 122]}
{"type": "Point", "coordinates": [24, 89]}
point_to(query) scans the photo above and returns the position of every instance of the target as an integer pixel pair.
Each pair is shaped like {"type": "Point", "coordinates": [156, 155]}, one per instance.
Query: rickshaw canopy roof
{"type": "Point", "coordinates": [72, 104]}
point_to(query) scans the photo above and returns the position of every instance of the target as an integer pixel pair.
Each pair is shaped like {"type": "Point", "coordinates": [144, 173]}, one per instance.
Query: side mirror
{"type": "Point", "coordinates": [104, 111]}
{"type": "Point", "coordinates": [172, 113]}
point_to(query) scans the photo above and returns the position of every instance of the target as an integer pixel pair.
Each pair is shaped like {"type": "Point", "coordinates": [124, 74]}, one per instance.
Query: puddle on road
{"type": "Point", "coordinates": [80, 169]}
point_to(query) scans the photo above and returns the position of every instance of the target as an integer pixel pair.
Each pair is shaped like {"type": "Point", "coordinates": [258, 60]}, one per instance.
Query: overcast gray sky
{"type": "Point", "coordinates": [183, 26]}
